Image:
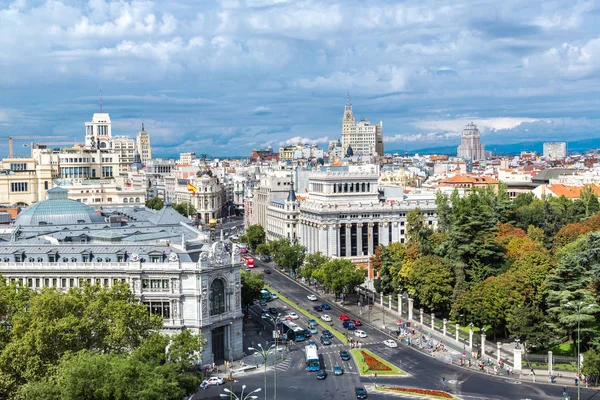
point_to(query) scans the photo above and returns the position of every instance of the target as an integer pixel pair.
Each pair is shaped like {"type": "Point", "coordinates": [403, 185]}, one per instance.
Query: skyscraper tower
{"type": "Point", "coordinates": [362, 137]}
{"type": "Point", "coordinates": [143, 145]}
{"type": "Point", "coordinates": [470, 144]}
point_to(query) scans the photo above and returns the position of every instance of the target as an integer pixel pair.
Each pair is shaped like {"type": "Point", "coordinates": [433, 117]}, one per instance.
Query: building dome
{"type": "Point", "coordinates": [204, 169]}
{"type": "Point", "coordinates": [58, 210]}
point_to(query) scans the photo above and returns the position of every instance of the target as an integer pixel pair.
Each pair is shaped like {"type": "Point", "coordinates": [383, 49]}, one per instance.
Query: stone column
{"type": "Point", "coordinates": [410, 309]}
{"type": "Point", "coordinates": [395, 237]}
{"type": "Point", "coordinates": [550, 362]}
{"type": "Point", "coordinates": [471, 338]}
{"type": "Point", "coordinates": [370, 239]}
{"type": "Point", "coordinates": [445, 321]}
{"type": "Point", "coordinates": [348, 240]}
{"type": "Point", "coordinates": [457, 329]}
{"type": "Point", "coordinates": [390, 302]}
{"type": "Point", "coordinates": [498, 344]}
{"type": "Point", "coordinates": [432, 321]}
{"type": "Point", "coordinates": [517, 364]}
{"type": "Point", "coordinates": [383, 234]}
{"type": "Point", "coordinates": [322, 242]}
{"type": "Point", "coordinates": [421, 317]}
{"type": "Point", "coordinates": [337, 228]}
{"type": "Point", "coordinates": [483, 345]}
{"type": "Point", "coordinates": [359, 228]}
{"type": "Point", "coordinates": [381, 299]}
{"type": "Point", "coordinates": [400, 304]}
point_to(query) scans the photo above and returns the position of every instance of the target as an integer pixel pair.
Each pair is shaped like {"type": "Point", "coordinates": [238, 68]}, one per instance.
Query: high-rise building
{"type": "Point", "coordinates": [98, 132]}
{"type": "Point", "coordinates": [143, 146]}
{"type": "Point", "coordinates": [555, 149]}
{"type": "Point", "coordinates": [362, 137]}
{"type": "Point", "coordinates": [470, 146]}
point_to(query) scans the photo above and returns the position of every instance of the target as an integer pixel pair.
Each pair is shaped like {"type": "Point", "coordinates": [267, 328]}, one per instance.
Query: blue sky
{"type": "Point", "coordinates": [223, 77]}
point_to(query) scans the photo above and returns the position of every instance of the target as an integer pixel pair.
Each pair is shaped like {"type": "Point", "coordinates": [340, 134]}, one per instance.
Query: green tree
{"type": "Point", "coordinates": [312, 263]}
{"type": "Point", "coordinates": [290, 257]}
{"type": "Point", "coordinates": [591, 366]}
{"type": "Point", "coordinates": [444, 211]}
{"type": "Point", "coordinates": [435, 282]}
{"type": "Point", "coordinates": [339, 276]}
{"type": "Point", "coordinates": [252, 284]}
{"type": "Point", "coordinates": [255, 235]}
{"type": "Point", "coordinates": [590, 201]}
{"type": "Point", "coordinates": [530, 325]}
{"type": "Point", "coordinates": [263, 249]}
{"type": "Point", "coordinates": [186, 209]}
{"type": "Point", "coordinates": [155, 203]}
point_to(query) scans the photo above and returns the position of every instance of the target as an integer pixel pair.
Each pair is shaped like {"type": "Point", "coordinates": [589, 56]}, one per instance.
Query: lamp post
{"type": "Point", "coordinates": [265, 354]}
{"type": "Point", "coordinates": [275, 321]}
{"type": "Point", "coordinates": [578, 307]}
{"type": "Point", "coordinates": [231, 395]}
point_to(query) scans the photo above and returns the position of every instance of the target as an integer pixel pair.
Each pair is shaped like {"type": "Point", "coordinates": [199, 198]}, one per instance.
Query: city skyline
{"type": "Point", "coordinates": [232, 76]}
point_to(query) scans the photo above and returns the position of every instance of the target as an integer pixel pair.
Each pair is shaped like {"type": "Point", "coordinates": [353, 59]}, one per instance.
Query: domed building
{"type": "Point", "coordinates": [58, 210]}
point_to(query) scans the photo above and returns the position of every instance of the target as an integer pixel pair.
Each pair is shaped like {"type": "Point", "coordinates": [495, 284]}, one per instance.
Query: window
{"type": "Point", "coordinates": [18, 167]}
{"type": "Point", "coordinates": [161, 308]}
{"type": "Point", "coordinates": [19, 186]}
{"type": "Point", "coordinates": [217, 297]}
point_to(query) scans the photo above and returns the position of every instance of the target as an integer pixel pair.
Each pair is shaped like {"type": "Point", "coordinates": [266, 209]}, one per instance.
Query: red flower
{"type": "Point", "coordinates": [426, 392]}
{"type": "Point", "coordinates": [373, 363]}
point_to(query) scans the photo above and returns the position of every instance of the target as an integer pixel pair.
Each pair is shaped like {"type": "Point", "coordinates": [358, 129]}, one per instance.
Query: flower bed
{"type": "Point", "coordinates": [373, 363]}
{"type": "Point", "coordinates": [419, 392]}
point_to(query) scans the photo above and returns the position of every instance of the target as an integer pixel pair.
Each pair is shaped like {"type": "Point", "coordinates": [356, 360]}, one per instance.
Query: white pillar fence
{"type": "Point", "coordinates": [421, 316]}
{"type": "Point", "coordinates": [445, 321]}
{"type": "Point", "coordinates": [432, 321]}
{"type": "Point", "coordinates": [457, 338]}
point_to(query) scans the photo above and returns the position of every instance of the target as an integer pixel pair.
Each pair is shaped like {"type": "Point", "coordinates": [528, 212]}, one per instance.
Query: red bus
{"type": "Point", "coordinates": [248, 261]}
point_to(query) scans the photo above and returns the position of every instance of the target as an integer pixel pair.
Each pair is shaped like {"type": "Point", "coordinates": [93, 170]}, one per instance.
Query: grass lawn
{"type": "Point", "coordinates": [363, 367]}
{"type": "Point", "coordinates": [416, 392]}
{"type": "Point", "coordinates": [563, 349]}
{"type": "Point", "coordinates": [327, 325]}
{"type": "Point", "coordinates": [556, 366]}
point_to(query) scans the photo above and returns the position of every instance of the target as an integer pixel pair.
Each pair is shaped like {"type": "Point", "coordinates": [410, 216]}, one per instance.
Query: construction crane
{"type": "Point", "coordinates": [11, 138]}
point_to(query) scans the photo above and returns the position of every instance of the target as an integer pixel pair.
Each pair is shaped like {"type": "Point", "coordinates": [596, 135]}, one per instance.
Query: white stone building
{"type": "Point", "coordinates": [283, 218]}
{"type": "Point", "coordinates": [143, 146]}
{"type": "Point", "coordinates": [555, 149]}
{"type": "Point", "coordinates": [470, 146]}
{"type": "Point", "coordinates": [363, 138]}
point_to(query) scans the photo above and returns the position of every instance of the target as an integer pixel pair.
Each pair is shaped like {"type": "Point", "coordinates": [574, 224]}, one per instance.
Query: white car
{"type": "Point", "coordinates": [390, 343]}
{"type": "Point", "coordinates": [312, 297]}
{"type": "Point", "coordinates": [326, 318]}
{"type": "Point", "coordinates": [360, 334]}
{"type": "Point", "coordinates": [293, 315]}
{"type": "Point", "coordinates": [215, 381]}
{"type": "Point", "coordinates": [274, 296]}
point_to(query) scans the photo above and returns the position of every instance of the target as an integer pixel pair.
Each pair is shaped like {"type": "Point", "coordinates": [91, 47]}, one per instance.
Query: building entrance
{"type": "Point", "coordinates": [218, 344]}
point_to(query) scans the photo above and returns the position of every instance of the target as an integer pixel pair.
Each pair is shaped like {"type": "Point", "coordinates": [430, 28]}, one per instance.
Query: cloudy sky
{"type": "Point", "coordinates": [223, 77]}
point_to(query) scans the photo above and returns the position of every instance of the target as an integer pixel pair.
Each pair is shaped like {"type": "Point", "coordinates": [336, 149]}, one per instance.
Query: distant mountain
{"type": "Point", "coordinates": [508, 149]}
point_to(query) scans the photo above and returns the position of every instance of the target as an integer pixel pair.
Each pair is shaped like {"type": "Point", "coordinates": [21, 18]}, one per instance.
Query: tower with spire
{"type": "Point", "coordinates": [363, 138]}
{"type": "Point", "coordinates": [143, 145]}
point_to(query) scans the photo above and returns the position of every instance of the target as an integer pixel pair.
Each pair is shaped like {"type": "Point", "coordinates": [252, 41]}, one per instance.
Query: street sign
{"type": "Point", "coordinates": [370, 308]}
{"type": "Point", "coordinates": [366, 308]}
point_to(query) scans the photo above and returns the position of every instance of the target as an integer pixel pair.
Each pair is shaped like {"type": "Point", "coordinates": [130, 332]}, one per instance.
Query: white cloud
{"type": "Point", "coordinates": [261, 110]}
{"type": "Point", "coordinates": [484, 124]}
{"type": "Point", "coordinates": [386, 78]}
{"type": "Point", "coordinates": [304, 140]}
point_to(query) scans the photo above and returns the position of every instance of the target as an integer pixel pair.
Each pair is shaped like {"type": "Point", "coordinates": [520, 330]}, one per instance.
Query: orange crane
{"type": "Point", "coordinates": [11, 138]}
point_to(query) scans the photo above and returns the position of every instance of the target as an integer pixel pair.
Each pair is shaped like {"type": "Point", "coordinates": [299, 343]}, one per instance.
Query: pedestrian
{"type": "Point", "coordinates": [531, 371]}
{"type": "Point", "coordinates": [576, 379]}
{"type": "Point", "coordinates": [495, 370]}
{"type": "Point", "coordinates": [507, 371]}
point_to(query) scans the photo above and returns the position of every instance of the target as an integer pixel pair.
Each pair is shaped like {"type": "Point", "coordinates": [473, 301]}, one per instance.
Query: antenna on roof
{"type": "Point", "coordinates": [101, 99]}
{"type": "Point", "coordinates": [348, 102]}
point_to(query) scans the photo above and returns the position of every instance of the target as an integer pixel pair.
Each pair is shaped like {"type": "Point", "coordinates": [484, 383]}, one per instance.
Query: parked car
{"type": "Point", "coordinates": [344, 317]}
{"type": "Point", "coordinates": [287, 318]}
{"type": "Point", "coordinates": [356, 322]}
{"type": "Point", "coordinates": [326, 318]}
{"type": "Point", "coordinates": [325, 340]}
{"type": "Point", "coordinates": [344, 355]}
{"type": "Point", "coordinates": [338, 370]}
{"type": "Point", "coordinates": [327, 334]}
{"type": "Point", "coordinates": [317, 308]}
{"type": "Point", "coordinates": [325, 306]}
{"type": "Point", "coordinates": [265, 258]}
{"type": "Point", "coordinates": [215, 381]}
{"type": "Point", "coordinates": [294, 315]}
{"type": "Point", "coordinates": [268, 271]}
{"type": "Point", "coordinates": [244, 250]}
{"type": "Point", "coordinates": [272, 311]}
{"type": "Point", "coordinates": [360, 334]}
{"type": "Point", "coordinates": [274, 296]}
{"type": "Point", "coordinates": [312, 297]}
{"type": "Point", "coordinates": [312, 322]}
{"type": "Point", "coordinates": [390, 343]}
{"type": "Point", "coordinates": [321, 374]}
{"type": "Point", "coordinates": [360, 392]}
{"type": "Point", "coordinates": [262, 302]}
{"type": "Point", "coordinates": [349, 325]}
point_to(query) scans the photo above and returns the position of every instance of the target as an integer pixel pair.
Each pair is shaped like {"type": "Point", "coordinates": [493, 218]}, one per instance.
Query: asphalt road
{"type": "Point", "coordinates": [294, 382]}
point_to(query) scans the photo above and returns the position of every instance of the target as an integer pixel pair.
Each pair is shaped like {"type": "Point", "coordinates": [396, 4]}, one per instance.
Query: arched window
{"type": "Point", "coordinates": [137, 199]}
{"type": "Point", "coordinates": [73, 259]}
{"type": "Point", "coordinates": [125, 200]}
{"type": "Point", "coordinates": [131, 199]}
{"type": "Point", "coordinates": [40, 259]}
{"type": "Point", "coordinates": [217, 297]}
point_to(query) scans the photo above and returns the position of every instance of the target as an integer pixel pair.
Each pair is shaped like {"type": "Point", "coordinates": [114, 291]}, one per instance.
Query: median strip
{"type": "Point", "coordinates": [416, 392]}
{"type": "Point", "coordinates": [342, 337]}
{"type": "Point", "coordinates": [370, 363]}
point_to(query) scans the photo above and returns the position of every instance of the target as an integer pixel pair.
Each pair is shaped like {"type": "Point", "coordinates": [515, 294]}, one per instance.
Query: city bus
{"type": "Point", "coordinates": [248, 261]}
{"type": "Point", "coordinates": [292, 331]}
{"type": "Point", "coordinates": [312, 358]}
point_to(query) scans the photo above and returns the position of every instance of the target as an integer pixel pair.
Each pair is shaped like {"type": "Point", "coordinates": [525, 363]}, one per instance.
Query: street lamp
{"type": "Point", "coordinates": [231, 395]}
{"type": "Point", "coordinates": [578, 307]}
{"type": "Point", "coordinates": [275, 321]}
{"type": "Point", "coordinates": [265, 354]}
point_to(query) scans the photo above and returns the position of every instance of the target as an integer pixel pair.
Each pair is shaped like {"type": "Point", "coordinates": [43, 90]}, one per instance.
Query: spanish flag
{"type": "Point", "coordinates": [191, 188]}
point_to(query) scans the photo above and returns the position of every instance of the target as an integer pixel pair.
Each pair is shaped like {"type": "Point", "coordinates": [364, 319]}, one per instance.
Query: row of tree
{"type": "Point", "coordinates": [517, 265]}
{"type": "Point", "coordinates": [90, 343]}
